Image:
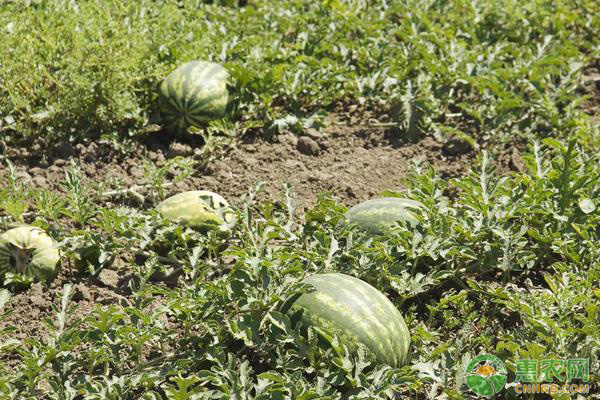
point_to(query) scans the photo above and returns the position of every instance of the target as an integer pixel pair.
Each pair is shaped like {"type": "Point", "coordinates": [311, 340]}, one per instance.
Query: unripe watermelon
{"type": "Point", "coordinates": [193, 94]}
{"type": "Point", "coordinates": [379, 215]}
{"type": "Point", "coordinates": [29, 251]}
{"type": "Point", "coordinates": [199, 209]}
{"type": "Point", "coordinates": [357, 313]}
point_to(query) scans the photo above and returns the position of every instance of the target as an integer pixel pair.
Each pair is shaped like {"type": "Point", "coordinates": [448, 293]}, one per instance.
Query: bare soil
{"type": "Point", "coordinates": [590, 80]}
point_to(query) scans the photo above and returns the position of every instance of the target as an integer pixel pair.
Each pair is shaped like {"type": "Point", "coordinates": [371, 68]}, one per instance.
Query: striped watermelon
{"type": "Point", "coordinates": [29, 251]}
{"type": "Point", "coordinates": [193, 94]}
{"type": "Point", "coordinates": [379, 215]}
{"type": "Point", "coordinates": [200, 209]}
{"type": "Point", "coordinates": [357, 313]}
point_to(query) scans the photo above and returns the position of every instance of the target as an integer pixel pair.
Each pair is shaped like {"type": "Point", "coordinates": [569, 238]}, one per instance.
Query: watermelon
{"type": "Point", "coordinates": [194, 94]}
{"type": "Point", "coordinates": [30, 252]}
{"type": "Point", "coordinates": [357, 313]}
{"type": "Point", "coordinates": [199, 209]}
{"type": "Point", "coordinates": [379, 215]}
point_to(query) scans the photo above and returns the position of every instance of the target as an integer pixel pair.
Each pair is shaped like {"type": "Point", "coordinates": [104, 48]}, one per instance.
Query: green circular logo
{"type": "Point", "coordinates": [486, 375]}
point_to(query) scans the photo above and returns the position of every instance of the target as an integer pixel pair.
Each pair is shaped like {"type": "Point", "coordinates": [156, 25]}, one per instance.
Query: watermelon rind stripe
{"type": "Point", "coordinates": [201, 104]}
{"type": "Point", "coordinates": [379, 215]}
{"type": "Point", "coordinates": [359, 311]}
{"type": "Point", "coordinates": [189, 76]}
{"type": "Point", "coordinates": [194, 93]}
{"type": "Point", "coordinates": [172, 102]}
{"type": "Point", "coordinates": [4, 257]}
{"type": "Point", "coordinates": [211, 72]}
{"type": "Point", "coordinates": [207, 109]}
{"type": "Point", "coordinates": [334, 306]}
{"type": "Point", "coordinates": [186, 120]}
{"type": "Point", "coordinates": [173, 92]}
{"type": "Point", "coordinates": [375, 319]}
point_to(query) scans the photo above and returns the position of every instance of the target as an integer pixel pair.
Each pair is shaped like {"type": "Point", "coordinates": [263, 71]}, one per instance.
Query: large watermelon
{"type": "Point", "coordinates": [193, 94]}
{"type": "Point", "coordinates": [357, 313]}
{"type": "Point", "coordinates": [379, 215]}
{"type": "Point", "coordinates": [200, 209]}
{"type": "Point", "coordinates": [29, 251]}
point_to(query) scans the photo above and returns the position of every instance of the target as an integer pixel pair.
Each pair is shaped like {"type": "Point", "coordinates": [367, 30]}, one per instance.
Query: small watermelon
{"type": "Point", "coordinates": [194, 94]}
{"type": "Point", "coordinates": [357, 313]}
{"type": "Point", "coordinates": [379, 215]}
{"type": "Point", "coordinates": [30, 252]}
{"type": "Point", "coordinates": [199, 209]}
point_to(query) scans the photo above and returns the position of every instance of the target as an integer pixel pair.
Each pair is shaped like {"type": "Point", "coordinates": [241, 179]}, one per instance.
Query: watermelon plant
{"type": "Point", "coordinates": [200, 209]}
{"type": "Point", "coordinates": [503, 263]}
{"type": "Point", "coordinates": [379, 215]}
{"type": "Point", "coordinates": [356, 312]}
{"type": "Point", "coordinates": [27, 254]}
{"type": "Point", "coordinates": [194, 94]}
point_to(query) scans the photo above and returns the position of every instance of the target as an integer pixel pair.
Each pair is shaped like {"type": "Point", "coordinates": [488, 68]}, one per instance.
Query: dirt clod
{"type": "Point", "coordinates": [308, 146]}
{"type": "Point", "coordinates": [179, 150]}
{"type": "Point", "coordinates": [82, 292]}
{"type": "Point", "coordinates": [109, 278]}
{"type": "Point", "coordinates": [59, 162]}
{"type": "Point", "coordinates": [36, 295]}
{"type": "Point", "coordinates": [456, 146]}
{"type": "Point", "coordinates": [64, 150]}
{"type": "Point", "coordinates": [286, 139]}
{"type": "Point", "coordinates": [313, 133]}
{"type": "Point", "coordinates": [39, 181]}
